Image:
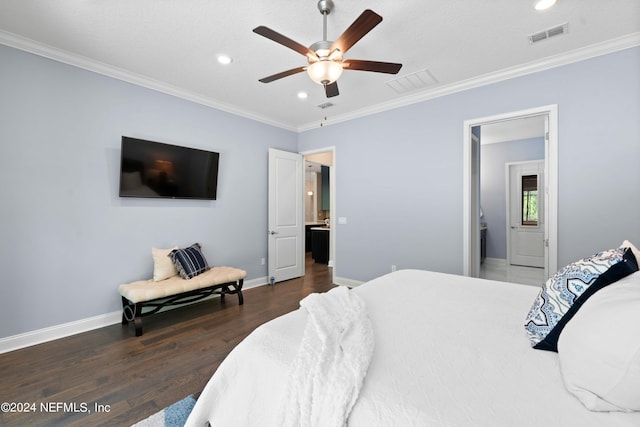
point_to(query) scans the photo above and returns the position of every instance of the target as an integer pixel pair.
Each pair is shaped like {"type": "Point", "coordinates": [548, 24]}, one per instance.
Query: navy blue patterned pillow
{"type": "Point", "coordinates": [564, 293]}
{"type": "Point", "coordinates": [189, 261]}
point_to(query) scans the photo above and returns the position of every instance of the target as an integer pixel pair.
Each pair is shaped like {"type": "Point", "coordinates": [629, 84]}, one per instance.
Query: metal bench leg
{"type": "Point", "coordinates": [138, 324]}
{"type": "Point", "coordinates": [132, 312]}
{"type": "Point", "coordinates": [239, 290]}
{"type": "Point", "coordinates": [125, 304]}
{"type": "Point", "coordinates": [137, 321]}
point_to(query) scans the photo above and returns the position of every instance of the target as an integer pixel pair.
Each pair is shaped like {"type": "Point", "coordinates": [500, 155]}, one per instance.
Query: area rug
{"type": "Point", "coordinates": [171, 416]}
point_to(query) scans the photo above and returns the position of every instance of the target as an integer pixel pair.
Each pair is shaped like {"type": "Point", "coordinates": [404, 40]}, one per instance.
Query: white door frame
{"type": "Point", "coordinates": [332, 203]}
{"type": "Point", "coordinates": [471, 208]}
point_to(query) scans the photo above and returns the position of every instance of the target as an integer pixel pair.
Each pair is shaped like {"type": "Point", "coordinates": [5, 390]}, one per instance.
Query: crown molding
{"type": "Point", "coordinates": [577, 55]}
{"type": "Point", "coordinates": [65, 57]}
{"type": "Point", "coordinates": [40, 49]}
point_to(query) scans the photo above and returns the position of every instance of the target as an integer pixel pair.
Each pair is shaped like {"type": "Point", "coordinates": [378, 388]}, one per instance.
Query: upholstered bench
{"type": "Point", "coordinates": [175, 290]}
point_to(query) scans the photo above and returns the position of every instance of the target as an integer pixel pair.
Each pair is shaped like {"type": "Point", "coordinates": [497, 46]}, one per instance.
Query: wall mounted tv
{"type": "Point", "coordinates": [155, 169]}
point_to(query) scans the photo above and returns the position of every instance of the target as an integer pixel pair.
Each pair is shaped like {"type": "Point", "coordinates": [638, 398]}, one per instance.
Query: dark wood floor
{"type": "Point", "coordinates": [132, 378]}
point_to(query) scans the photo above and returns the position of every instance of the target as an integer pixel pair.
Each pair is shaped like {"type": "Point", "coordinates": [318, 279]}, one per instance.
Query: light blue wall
{"type": "Point", "coordinates": [399, 173]}
{"type": "Point", "coordinates": [67, 238]}
{"type": "Point", "coordinates": [493, 158]}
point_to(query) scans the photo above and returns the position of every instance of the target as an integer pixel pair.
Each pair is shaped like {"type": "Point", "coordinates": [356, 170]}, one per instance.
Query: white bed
{"type": "Point", "coordinates": [449, 351]}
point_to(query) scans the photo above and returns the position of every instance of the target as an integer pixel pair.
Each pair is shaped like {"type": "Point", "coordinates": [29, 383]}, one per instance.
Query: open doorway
{"type": "Point", "coordinates": [511, 211]}
{"type": "Point", "coordinates": [473, 213]}
{"type": "Point", "coordinates": [320, 196]}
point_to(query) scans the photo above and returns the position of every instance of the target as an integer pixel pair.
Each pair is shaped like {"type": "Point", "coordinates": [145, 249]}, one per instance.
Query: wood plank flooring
{"type": "Point", "coordinates": [110, 377]}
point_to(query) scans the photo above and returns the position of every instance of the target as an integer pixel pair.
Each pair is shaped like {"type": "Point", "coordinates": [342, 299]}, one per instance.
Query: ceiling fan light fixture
{"type": "Point", "coordinates": [324, 72]}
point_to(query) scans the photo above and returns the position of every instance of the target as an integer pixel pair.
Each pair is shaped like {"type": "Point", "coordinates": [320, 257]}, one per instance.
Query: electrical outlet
{"type": "Point", "coordinates": [393, 268]}
{"type": "Point", "coordinates": [262, 261]}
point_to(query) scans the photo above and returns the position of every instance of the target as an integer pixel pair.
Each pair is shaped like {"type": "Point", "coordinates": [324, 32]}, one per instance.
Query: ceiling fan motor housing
{"type": "Point", "coordinates": [322, 49]}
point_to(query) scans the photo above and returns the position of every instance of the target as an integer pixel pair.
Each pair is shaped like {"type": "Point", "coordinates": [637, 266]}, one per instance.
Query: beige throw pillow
{"type": "Point", "coordinates": [163, 266]}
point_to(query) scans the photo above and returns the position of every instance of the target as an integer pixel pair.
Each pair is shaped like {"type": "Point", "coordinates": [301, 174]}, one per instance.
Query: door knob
{"type": "Point", "coordinates": [272, 232]}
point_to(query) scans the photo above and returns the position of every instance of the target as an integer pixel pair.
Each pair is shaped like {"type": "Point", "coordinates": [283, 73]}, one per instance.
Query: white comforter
{"type": "Point", "coordinates": [449, 351]}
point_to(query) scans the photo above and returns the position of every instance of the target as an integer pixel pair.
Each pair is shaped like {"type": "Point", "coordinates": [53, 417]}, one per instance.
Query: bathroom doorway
{"type": "Point", "coordinates": [320, 198]}
{"type": "Point", "coordinates": [471, 186]}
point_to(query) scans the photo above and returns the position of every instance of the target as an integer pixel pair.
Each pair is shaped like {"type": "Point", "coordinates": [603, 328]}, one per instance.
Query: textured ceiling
{"type": "Point", "coordinates": [171, 45]}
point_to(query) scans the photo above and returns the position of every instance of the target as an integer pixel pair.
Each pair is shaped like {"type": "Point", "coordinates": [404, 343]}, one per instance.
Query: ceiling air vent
{"type": "Point", "coordinates": [325, 105]}
{"type": "Point", "coordinates": [548, 33]}
{"type": "Point", "coordinates": [411, 82]}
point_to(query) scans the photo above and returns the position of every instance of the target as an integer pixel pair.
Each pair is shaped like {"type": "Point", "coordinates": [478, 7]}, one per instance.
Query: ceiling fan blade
{"type": "Point", "coordinates": [360, 27]}
{"type": "Point", "coordinates": [282, 74]}
{"type": "Point", "coordinates": [331, 90]}
{"type": "Point", "coordinates": [375, 66]}
{"type": "Point", "coordinates": [284, 40]}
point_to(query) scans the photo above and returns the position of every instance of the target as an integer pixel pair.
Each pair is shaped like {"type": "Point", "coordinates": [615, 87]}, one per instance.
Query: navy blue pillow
{"type": "Point", "coordinates": [189, 261]}
{"type": "Point", "coordinates": [564, 293]}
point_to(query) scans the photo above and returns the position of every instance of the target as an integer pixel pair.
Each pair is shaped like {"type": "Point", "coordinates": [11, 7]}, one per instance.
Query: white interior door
{"type": "Point", "coordinates": [526, 213]}
{"type": "Point", "coordinates": [286, 216]}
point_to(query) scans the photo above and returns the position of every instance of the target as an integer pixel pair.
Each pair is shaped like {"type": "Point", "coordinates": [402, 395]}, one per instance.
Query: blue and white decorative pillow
{"type": "Point", "coordinates": [189, 261]}
{"type": "Point", "coordinates": [564, 293]}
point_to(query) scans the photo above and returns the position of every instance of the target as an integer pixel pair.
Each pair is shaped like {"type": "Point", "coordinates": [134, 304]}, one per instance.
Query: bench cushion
{"type": "Point", "coordinates": [146, 290]}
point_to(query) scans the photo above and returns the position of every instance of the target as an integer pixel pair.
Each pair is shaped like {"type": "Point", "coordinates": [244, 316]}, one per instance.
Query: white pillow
{"type": "Point", "coordinates": [634, 250]}
{"type": "Point", "coordinates": [599, 348]}
{"type": "Point", "coordinates": [163, 266]}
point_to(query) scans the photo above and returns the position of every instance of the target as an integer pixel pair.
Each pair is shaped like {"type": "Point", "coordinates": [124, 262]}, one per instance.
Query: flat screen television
{"type": "Point", "coordinates": [159, 170]}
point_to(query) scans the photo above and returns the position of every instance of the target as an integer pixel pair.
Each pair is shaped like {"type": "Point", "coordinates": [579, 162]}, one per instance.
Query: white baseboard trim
{"type": "Point", "coordinates": [51, 333]}
{"type": "Point", "coordinates": [254, 283]}
{"type": "Point", "coordinates": [343, 281]}
{"type": "Point", "coordinates": [27, 339]}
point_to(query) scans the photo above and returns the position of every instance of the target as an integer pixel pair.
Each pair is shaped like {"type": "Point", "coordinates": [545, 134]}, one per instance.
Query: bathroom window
{"type": "Point", "coordinates": [530, 200]}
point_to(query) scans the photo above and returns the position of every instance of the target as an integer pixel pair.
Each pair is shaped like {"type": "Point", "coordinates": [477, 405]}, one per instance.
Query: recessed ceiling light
{"type": "Point", "coordinates": [544, 4]}
{"type": "Point", "coordinates": [302, 95]}
{"type": "Point", "coordinates": [224, 59]}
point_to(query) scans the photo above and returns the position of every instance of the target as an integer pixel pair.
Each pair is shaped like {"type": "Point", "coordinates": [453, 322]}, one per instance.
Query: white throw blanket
{"type": "Point", "coordinates": [329, 369]}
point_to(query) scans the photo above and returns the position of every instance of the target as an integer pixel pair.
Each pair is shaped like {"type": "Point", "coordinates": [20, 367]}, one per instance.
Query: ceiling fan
{"type": "Point", "coordinates": [326, 57]}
